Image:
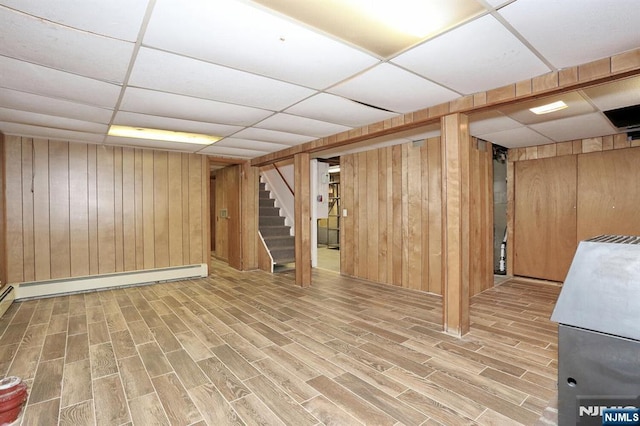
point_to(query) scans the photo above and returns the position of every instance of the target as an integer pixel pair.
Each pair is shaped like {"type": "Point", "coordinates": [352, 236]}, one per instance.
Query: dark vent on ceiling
{"type": "Point", "coordinates": [625, 118]}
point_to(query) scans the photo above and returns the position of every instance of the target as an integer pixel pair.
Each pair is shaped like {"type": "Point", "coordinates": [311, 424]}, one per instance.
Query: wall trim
{"type": "Point", "coordinates": [44, 288]}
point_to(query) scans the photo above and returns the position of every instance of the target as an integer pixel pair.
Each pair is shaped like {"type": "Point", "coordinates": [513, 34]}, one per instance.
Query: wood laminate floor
{"type": "Point", "coordinates": [252, 348]}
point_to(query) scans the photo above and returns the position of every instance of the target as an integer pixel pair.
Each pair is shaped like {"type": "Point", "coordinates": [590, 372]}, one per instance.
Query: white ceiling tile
{"type": "Point", "coordinates": [190, 108]}
{"type": "Point", "coordinates": [616, 94]}
{"type": "Point", "coordinates": [497, 3]}
{"type": "Point", "coordinates": [26, 77]}
{"type": "Point", "coordinates": [394, 89]}
{"type": "Point", "coordinates": [155, 144]}
{"type": "Point", "coordinates": [273, 136]}
{"type": "Point", "coordinates": [336, 109]}
{"type": "Point", "coordinates": [475, 57]}
{"type": "Point", "coordinates": [174, 124]}
{"type": "Point", "coordinates": [230, 152]}
{"type": "Point", "coordinates": [490, 122]}
{"type": "Point", "coordinates": [251, 144]}
{"type": "Point", "coordinates": [517, 138]}
{"type": "Point", "coordinates": [29, 131]}
{"type": "Point", "coordinates": [301, 125]}
{"type": "Point", "coordinates": [580, 127]}
{"type": "Point", "coordinates": [186, 76]}
{"type": "Point", "coordinates": [227, 30]}
{"type": "Point", "coordinates": [43, 105]}
{"type": "Point", "coordinates": [573, 32]}
{"type": "Point", "coordinates": [114, 18]}
{"type": "Point", "coordinates": [34, 119]}
{"type": "Point", "coordinates": [53, 45]}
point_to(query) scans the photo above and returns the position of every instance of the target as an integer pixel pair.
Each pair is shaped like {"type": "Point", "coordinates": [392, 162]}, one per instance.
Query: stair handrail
{"type": "Point", "coordinates": [283, 179]}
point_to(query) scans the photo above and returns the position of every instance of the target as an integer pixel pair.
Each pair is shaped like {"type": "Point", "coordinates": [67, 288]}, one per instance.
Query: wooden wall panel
{"type": "Point", "coordinates": [148, 213]}
{"type": "Point", "coordinates": [249, 213]}
{"type": "Point", "coordinates": [41, 213]}
{"type": "Point", "coordinates": [161, 208]}
{"type": "Point", "coordinates": [196, 191]}
{"type": "Point", "coordinates": [13, 191]}
{"type": "Point", "coordinates": [604, 166]}
{"type": "Point", "coordinates": [92, 179]}
{"type": "Point", "coordinates": [59, 209]}
{"type": "Point", "coordinates": [27, 211]}
{"type": "Point", "coordinates": [545, 217]}
{"type": "Point", "coordinates": [117, 210]}
{"type": "Point", "coordinates": [608, 193]}
{"type": "Point", "coordinates": [106, 210]}
{"type": "Point", "coordinates": [371, 164]}
{"type": "Point", "coordinates": [393, 231]}
{"type": "Point", "coordinates": [80, 209]}
{"type": "Point", "coordinates": [175, 197]}
{"type": "Point", "coordinates": [129, 209]}
{"type": "Point", "coordinates": [234, 239]}
{"type": "Point", "coordinates": [434, 208]}
{"type": "Point", "coordinates": [79, 214]}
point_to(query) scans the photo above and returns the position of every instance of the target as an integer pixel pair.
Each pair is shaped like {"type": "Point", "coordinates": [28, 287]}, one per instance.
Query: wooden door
{"type": "Point", "coordinates": [545, 217]}
{"type": "Point", "coordinates": [609, 193]}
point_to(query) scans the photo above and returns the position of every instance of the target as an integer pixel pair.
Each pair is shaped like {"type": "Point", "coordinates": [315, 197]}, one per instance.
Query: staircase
{"type": "Point", "coordinates": [275, 233]}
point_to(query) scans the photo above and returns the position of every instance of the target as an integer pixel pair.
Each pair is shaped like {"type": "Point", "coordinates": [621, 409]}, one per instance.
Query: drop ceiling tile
{"type": "Point", "coordinates": [251, 144]}
{"type": "Point", "coordinates": [576, 105]}
{"type": "Point", "coordinates": [490, 122]}
{"type": "Point", "coordinates": [26, 77]}
{"type": "Point", "coordinates": [119, 19]}
{"type": "Point", "coordinates": [579, 127]}
{"type": "Point", "coordinates": [264, 135]}
{"type": "Point", "coordinates": [241, 36]}
{"type": "Point", "coordinates": [573, 32]}
{"type": "Point", "coordinates": [186, 76]}
{"type": "Point", "coordinates": [34, 119]}
{"type": "Point", "coordinates": [336, 109]}
{"type": "Point", "coordinates": [190, 108]}
{"type": "Point", "coordinates": [53, 45]}
{"type": "Point", "coordinates": [230, 152]}
{"type": "Point", "coordinates": [475, 57]}
{"type": "Point", "coordinates": [394, 89]}
{"type": "Point", "coordinates": [49, 106]}
{"type": "Point", "coordinates": [155, 144]}
{"type": "Point", "coordinates": [29, 131]}
{"type": "Point", "coordinates": [174, 124]}
{"type": "Point", "coordinates": [516, 138]}
{"type": "Point", "coordinates": [301, 125]}
{"type": "Point", "coordinates": [616, 94]}
{"type": "Point", "coordinates": [497, 3]}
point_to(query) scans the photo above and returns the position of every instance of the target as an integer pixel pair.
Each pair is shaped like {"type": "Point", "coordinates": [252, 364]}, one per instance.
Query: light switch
{"type": "Point", "coordinates": [344, 212]}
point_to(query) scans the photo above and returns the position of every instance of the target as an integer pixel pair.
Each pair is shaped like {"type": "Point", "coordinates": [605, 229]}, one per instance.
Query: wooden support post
{"type": "Point", "coordinates": [302, 203]}
{"type": "Point", "coordinates": [456, 146]}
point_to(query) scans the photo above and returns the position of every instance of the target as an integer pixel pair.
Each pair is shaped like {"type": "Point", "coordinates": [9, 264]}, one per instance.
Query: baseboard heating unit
{"type": "Point", "coordinates": [7, 295]}
{"type": "Point", "coordinates": [28, 290]}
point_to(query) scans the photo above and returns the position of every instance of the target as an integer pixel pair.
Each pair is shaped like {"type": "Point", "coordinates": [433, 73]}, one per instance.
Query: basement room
{"type": "Point", "coordinates": [337, 212]}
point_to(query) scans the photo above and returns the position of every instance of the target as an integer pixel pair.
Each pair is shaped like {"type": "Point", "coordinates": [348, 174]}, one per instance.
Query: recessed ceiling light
{"type": "Point", "coordinates": [546, 109]}
{"type": "Point", "coordinates": [162, 135]}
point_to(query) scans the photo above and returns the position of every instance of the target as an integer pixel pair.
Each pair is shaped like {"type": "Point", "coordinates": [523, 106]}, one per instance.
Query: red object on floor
{"type": "Point", "coordinates": [13, 394]}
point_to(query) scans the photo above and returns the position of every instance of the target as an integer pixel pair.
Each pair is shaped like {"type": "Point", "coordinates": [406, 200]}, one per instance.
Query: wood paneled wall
{"type": "Point", "coordinates": [78, 209]}
{"type": "Point", "coordinates": [599, 173]}
{"type": "Point", "coordinates": [393, 230]}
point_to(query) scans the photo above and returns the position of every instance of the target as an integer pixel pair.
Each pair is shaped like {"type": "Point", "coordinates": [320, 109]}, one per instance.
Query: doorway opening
{"type": "Point", "coordinates": [499, 209]}
{"type": "Point", "coordinates": [328, 241]}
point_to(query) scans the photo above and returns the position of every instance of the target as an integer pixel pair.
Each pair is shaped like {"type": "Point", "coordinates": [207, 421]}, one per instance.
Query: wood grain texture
{"type": "Point", "coordinates": [302, 217]}
{"type": "Point", "coordinates": [357, 353]}
{"type": "Point", "coordinates": [608, 194]}
{"type": "Point", "coordinates": [545, 217]}
{"type": "Point", "coordinates": [91, 210]}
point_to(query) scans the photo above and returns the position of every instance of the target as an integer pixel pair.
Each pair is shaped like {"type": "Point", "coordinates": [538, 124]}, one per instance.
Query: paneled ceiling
{"type": "Point", "coordinates": [266, 75]}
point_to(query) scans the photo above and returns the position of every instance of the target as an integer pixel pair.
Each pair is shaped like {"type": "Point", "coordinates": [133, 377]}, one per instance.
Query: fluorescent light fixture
{"type": "Point", "coordinates": [546, 109]}
{"type": "Point", "coordinates": [162, 135]}
{"type": "Point", "coordinates": [334, 169]}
